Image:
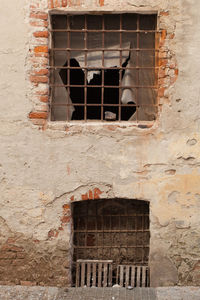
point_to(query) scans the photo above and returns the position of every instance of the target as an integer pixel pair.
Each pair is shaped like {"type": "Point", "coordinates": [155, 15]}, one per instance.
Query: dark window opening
{"type": "Point", "coordinates": [103, 67]}
{"type": "Point", "coordinates": [114, 229]}
{"type": "Point", "coordinates": [94, 94]}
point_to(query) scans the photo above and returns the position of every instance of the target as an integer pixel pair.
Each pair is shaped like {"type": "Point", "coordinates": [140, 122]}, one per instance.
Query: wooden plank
{"type": "Point", "coordinates": [105, 275]}
{"type": "Point", "coordinates": [110, 275]}
{"type": "Point", "coordinates": [133, 276]}
{"type": "Point", "coordinates": [144, 276]}
{"type": "Point", "coordinates": [94, 274]}
{"type": "Point", "coordinates": [121, 275]}
{"type": "Point", "coordinates": [82, 274]}
{"type": "Point", "coordinates": [138, 277]}
{"type": "Point", "coordinates": [88, 274]}
{"type": "Point", "coordinates": [117, 278]}
{"type": "Point", "coordinates": [99, 274]}
{"type": "Point", "coordinates": [77, 275]}
{"type": "Point", "coordinates": [127, 276]}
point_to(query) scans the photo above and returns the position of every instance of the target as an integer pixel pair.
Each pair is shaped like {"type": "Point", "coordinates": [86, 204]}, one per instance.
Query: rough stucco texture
{"type": "Point", "coordinates": [42, 171]}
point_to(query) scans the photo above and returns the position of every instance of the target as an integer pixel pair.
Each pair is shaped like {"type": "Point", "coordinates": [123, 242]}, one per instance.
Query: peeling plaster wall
{"type": "Point", "coordinates": [42, 171]}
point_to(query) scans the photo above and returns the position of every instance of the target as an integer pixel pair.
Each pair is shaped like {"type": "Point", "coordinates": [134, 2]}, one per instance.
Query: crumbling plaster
{"type": "Point", "coordinates": [42, 171]}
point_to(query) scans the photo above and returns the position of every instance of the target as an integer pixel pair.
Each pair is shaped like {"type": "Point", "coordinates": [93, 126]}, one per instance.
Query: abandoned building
{"type": "Point", "coordinates": [100, 143]}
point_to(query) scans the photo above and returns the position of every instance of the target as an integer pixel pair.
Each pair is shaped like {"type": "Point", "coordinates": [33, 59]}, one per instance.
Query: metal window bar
{"type": "Point", "coordinates": [85, 50]}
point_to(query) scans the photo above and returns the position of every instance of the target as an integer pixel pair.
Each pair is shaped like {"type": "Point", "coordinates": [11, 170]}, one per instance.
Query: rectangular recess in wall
{"type": "Point", "coordinates": [115, 230]}
{"type": "Point", "coordinates": [103, 67]}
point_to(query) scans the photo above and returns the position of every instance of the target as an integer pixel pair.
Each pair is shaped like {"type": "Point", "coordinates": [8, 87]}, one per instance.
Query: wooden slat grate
{"type": "Point", "coordinates": [135, 276]}
{"type": "Point", "coordinates": [94, 273]}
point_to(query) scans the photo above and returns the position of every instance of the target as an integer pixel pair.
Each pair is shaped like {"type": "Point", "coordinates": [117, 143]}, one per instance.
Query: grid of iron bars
{"type": "Point", "coordinates": [122, 111]}
{"type": "Point", "coordinates": [112, 229]}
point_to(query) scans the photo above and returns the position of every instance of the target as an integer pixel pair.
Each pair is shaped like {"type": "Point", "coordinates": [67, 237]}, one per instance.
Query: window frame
{"type": "Point", "coordinates": [141, 123]}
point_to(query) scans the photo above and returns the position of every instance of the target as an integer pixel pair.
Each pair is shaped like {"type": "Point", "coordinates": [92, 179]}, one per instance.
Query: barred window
{"type": "Point", "coordinates": [103, 67]}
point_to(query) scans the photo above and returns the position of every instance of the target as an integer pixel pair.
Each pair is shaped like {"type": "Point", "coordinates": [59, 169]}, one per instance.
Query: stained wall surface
{"type": "Point", "coordinates": [44, 166]}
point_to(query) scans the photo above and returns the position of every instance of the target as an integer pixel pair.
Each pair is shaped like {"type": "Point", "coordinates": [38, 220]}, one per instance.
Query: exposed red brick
{"type": "Point", "coordinates": [51, 4]}
{"type": "Point", "coordinates": [162, 62]}
{"type": "Point", "coordinates": [39, 122]}
{"type": "Point", "coordinates": [64, 3]}
{"type": "Point", "coordinates": [161, 81]}
{"type": "Point", "coordinates": [5, 263]}
{"type": "Point", "coordinates": [11, 240]}
{"type": "Point", "coordinates": [91, 195]}
{"type": "Point", "coordinates": [7, 255]}
{"type": "Point", "coordinates": [97, 193]}
{"type": "Point", "coordinates": [8, 247]}
{"type": "Point", "coordinates": [65, 219]}
{"type": "Point", "coordinates": [43, 49]}
{"type": "Point", "coordinates": [52, 233]}
{"type": "Point", "coordinates": [44, 99]}
{"type": "Point", "coordinates": [164, 13]}
{"type": "Point", "coordinates": [161, 73]}
{"type": "Point", "coordinates": [43, 107]}
{"type": "Point", "coordinates": [84, 196]}
{"type": "Point", "coordinates": [42, 16]}
{"type": "Point", "coordinates": [38, 115]}
{"type": "Point", "coordinates": [66, 207]}
{"type": "Point", "coordinates": [176, 72]}
{"type": "Point", "coordinates": [163, 34]}
{"type": "Point", "coordinates": [39, 79]}
{"type": "Point", "coordinates": [41, 54]}
{"type": "Point", "coordinates": [161, 92]}
{"type": "Point", "coordinates": [42, 72]}
{"type": "Point", "coordinates": [72, 198]}
{"type": "Point", "coordinates": [101, 2]}
{"type": "Point", "coordinates": [43, 92]}
{"type": "Point", "coordinates": [41, 34]}
{"type": "Point", "coordinates": [171, 36]}
{"type": "Point", "coordinates": [40, 23]}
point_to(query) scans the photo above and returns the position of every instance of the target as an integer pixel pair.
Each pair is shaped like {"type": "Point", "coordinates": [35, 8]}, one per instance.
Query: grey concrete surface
{"type": "Point", "coordinates": [54, 293]}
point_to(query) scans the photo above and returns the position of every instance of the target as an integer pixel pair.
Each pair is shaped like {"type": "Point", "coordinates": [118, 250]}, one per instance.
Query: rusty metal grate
{"type": "Point", "coordinates": [103, 67]}
{"type": "Point", "coordinates": [114, 229]}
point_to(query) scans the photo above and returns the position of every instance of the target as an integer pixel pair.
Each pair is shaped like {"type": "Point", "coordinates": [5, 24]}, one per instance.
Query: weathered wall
{"type": "Point", "coordinates": [43, 169]}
